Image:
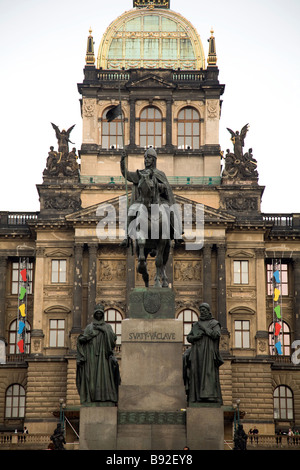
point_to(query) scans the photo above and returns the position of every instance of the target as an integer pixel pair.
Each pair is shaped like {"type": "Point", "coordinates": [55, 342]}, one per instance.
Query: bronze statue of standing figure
{"type": "Point", "coordinates": [97, 375]}
{"type": "Point", "coordinates": [202, 361]}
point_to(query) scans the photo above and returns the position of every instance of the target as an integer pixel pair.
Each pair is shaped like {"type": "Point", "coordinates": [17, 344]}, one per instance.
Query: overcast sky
{"type": "Point", "coordinates": [42, 56]}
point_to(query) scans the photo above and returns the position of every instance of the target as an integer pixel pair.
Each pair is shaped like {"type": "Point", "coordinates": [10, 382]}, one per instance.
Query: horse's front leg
{"type": "Point", "coordinates": [142, 263]}
{"type": "Point", "coordinates": [159, 264]}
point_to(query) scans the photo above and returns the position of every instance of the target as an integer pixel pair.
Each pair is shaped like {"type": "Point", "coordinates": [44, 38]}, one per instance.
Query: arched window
{"type": "Point", "coordinates": [15, 335]}
{"type": "Point", "coordinates": [283, 403]}
{"type": "Point", "coordinates": [111, 133]}
{"type": "Point", "coordinates": [151, 128]}
{"type": "Point", "coordinates": [188, 317]}
{"type": "Point", "coordinates": [114, 318]}
{"type": "Point", "coordinates": [188, 129]}
{"type": "Point", "coordinates": [284, 337]}
{"type": "Point", "coordinates": [15, 401]}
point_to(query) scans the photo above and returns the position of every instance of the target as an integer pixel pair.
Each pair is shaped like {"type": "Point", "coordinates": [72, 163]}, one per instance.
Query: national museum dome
{"type": "Point", "coordinates": [150, 36]}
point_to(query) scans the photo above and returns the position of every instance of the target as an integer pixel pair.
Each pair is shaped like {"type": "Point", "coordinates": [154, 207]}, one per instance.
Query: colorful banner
{"type": "Point", "coordinates": [22, 293]}
{"type": "Point", "coordinates": [22, 310]}
{"type": "Point", "coordinates": [277, 308]}
{"type": "Point", "coordinates": [21, 327]}
{"type": "Point", "coordinates": [21, 345]}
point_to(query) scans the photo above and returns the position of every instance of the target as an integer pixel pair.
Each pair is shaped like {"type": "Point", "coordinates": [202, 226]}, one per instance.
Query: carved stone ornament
{"type": "Point", "coordinates": [240, 203]}
{"type": "Point", "coordinates": [212, 109]}
{"type": "Point", "coordinates": [151, 302]}
{"type": "Point", "coordinates": [62, 203]}
{"type": "Point", "coordinates": [89, 108]}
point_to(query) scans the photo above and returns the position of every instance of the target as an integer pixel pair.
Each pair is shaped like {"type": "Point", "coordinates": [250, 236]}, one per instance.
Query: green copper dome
{"type": "Point", "coordinates": [151, 38]}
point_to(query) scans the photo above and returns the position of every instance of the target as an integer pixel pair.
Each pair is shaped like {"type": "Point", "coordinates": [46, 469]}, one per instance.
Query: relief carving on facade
{"type": "Point", "coordinates": [213, 109]}
{"type": "Point", "coordinates": [187, 271]}
{"type": "Point", "coordinates": [112, 270]}
{"type": "Point", "coordinates": [241, 203]}
{"type": "Point", "coordinates": [60, 202]}
{"type": "Point", "coordinates": [89, 108]}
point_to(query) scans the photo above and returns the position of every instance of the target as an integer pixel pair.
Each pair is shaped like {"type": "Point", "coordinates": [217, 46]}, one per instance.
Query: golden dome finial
{"type": "Point", "coordinates": [90, 57]}
{"type": "Point", "coordinates": [212, 55]}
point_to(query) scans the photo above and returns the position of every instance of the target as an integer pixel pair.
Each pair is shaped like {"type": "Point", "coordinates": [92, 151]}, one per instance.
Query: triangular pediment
{"type": "Point", "coordinates": [95, 212]}
{"type": "Point", "coordinates": [151, 81]}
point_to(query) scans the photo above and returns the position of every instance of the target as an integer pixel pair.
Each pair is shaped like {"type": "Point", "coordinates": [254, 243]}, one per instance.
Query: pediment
{"type": "Point", "coordinates": [57, 309]}
{"type": "Point", "coordinates": [241, 254]}
{"type": "Point", "coordinates": [94, 213]}
{"type": "Point", "coordinates": [151, 81]}
{"type": "Point", "coordinates": [59, 253]}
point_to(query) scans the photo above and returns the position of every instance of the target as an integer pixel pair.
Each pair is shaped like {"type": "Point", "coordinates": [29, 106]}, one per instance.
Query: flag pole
{"type": "Point", "coordinates": [126, 156]}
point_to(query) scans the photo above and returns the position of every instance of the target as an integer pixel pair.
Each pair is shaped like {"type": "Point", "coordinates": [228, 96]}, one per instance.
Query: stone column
{"type": "Point", "coordinates": [296, 266]}
{"type": "Point", "coordinates": [132, 142]}
{"type": "Point", "coordinates": [221, 296]}
{"type": "Point", "coordinates": [3, 270]}
{"type": "Point", "coordinates": [207, 292]}
{"type": "Point", "coordinates": [92, 279]}
{"type": "Point", "coordinates": [169, 123]}
{"type": "Point", "coordinates": [77, 293]}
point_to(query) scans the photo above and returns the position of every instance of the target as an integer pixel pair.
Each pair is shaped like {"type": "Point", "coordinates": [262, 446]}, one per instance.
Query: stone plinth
{"type": "Point", "coordinates": [152, 395]}
{"type": "Point", "coordinates": [205, 427]}
{"type": "Point", "coordinates": [152, 365]}
{"type": "Point", "coordinates": [98, 427]}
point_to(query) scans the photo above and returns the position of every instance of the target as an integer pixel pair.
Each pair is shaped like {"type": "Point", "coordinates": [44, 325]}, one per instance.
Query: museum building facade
{"type": "Point", "coordinates": [55, 265]}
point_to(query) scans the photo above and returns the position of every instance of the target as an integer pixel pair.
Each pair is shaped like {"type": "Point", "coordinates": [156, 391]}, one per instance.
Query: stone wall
{"type": "Point", "coordinates": [46, 385]}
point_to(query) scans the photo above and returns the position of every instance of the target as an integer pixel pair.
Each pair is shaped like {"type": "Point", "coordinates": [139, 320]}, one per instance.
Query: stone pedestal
{"type": "Point", "coordinates": [205, 427]}
{"type": "Point", "coordinates": [98, 427]}
{"type": "Point", "coordinates": [151, 395]}
{"type": "Point", "coordinates": [152, 365]}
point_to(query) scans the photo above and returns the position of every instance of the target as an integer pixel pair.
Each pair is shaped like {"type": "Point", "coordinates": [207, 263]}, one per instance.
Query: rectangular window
{"type": "Point", "coordinates": [57, 333]}
{"type": "Point", "coordinates": [241, 272]}
{"type": "Point", "coordinates": [16, 278]}
{"type": "Point", "coordinates": [282, 269]}
{"type": "Point", "coordinates": [242, 333]}
{"type": "Point", "coordinates": [59, 271]}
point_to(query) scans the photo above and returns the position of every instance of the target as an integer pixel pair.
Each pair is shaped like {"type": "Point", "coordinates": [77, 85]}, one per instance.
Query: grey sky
{"type": "Point", "coordinates": [42, 57]}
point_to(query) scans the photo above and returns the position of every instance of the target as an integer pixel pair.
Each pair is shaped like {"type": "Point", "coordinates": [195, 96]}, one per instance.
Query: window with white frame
{"type": "Point", "coordinates": [188, 317]}
{"type": "Point", "coordinates": [242, 333]}
{"type": "Point", "coordinates": [15, 401]}
{"type": "Point", "coordinates": [112, 133]}
{"type": "Point", "coordinates": [241, 272]}
{"type": "Point", "coordinates": [283, 274]}
{"type": "Point", "coordinates": [283, 403]}
{"type": "Point", "coordinates": [14, 337]}
{"type": "Point", "coordinates": [284, 337]}
{"type": "Point", "coordinates": [16, 278]}
{"type": "Point", "coordinates": [188, 129]}
{"type": "Point", "coordinates": [114, 318]}
{"type": "Point", "coordinates": [151, 127]}
{"type": "Point", "coordinates": [56, 333]}
{"type": "Point", "coordinates": [58, 271]}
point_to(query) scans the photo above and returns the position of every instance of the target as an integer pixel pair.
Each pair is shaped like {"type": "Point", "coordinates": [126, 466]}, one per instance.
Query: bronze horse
{"type": "Point", "coordinates": [152, 214]}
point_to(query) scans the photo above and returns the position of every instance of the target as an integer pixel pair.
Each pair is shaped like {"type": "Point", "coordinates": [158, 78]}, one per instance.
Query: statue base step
{"type": "Point", "coordinates": [98, 427]}
{"type": "Point", "coordinates": [205, 427]}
